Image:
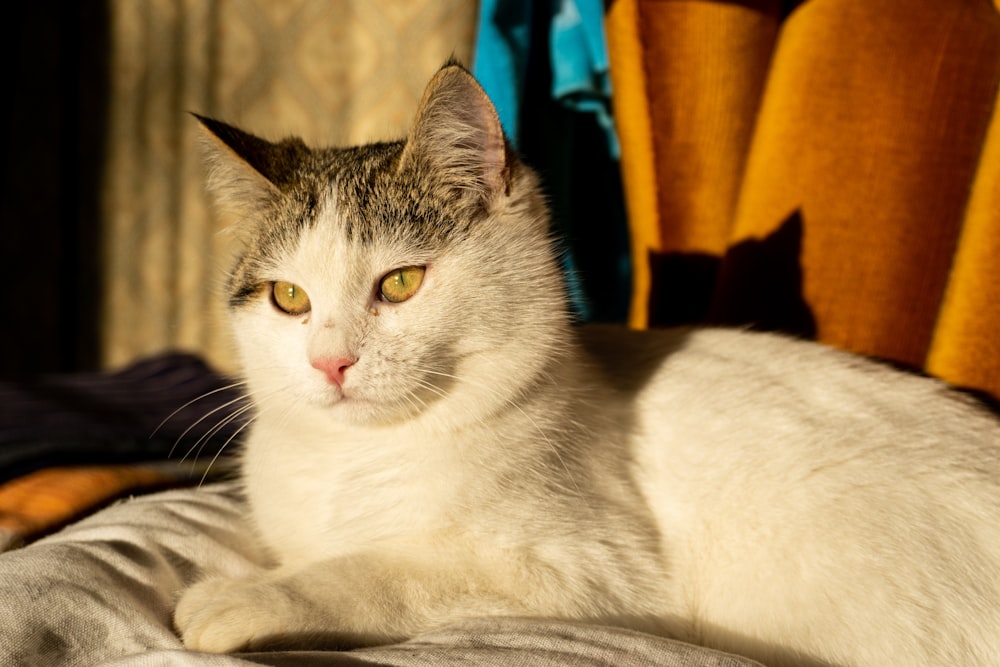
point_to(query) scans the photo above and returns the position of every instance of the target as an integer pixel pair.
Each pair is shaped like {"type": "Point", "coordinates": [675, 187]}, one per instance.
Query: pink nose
{"type": "Point", "coordinates": [334, 367]}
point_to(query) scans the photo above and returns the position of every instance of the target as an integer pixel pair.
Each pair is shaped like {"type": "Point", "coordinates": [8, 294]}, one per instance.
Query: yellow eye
{"type": "Point", "coordinates": [399, 285]}
{"type": "Point", "coordinates": [290, 298]}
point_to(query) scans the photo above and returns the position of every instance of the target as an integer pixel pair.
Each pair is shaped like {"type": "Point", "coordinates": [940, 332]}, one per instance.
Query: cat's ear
{"type": "Point", "coordinates": [457, 138]}
{"type": "Point", "coordinates": [247, 172]}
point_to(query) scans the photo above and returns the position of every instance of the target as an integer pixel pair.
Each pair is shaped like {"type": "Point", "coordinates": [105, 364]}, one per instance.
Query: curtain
{"type": "Point", "coordinates": [330, 71]}
{"type": "Point", "coordinates": [829, 168]}
{"type": "Point", "coordinates": [53, 127]}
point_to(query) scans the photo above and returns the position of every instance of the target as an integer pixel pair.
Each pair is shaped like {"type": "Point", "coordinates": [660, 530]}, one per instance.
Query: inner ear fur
{"type": "Point", "coordinates": [457, 134]}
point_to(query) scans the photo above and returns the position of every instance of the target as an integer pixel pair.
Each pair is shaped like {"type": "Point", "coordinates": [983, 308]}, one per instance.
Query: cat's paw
{"type": "Point", "coordinates": [226, 615]}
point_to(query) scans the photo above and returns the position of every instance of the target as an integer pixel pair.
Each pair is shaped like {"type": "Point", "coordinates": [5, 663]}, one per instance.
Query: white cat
{"type": "Point", "coordinates": [434, 440]}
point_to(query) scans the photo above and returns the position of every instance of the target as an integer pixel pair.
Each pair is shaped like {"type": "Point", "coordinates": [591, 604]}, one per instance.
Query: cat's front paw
{"type": "Point", "coordinates": [226, 615]}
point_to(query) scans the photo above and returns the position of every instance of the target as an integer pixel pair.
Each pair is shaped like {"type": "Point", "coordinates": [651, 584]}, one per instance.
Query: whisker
{"type": "Point", "coordinates": [226, 444]}
{"type": "Point", "coordinates": [510, 402]}
{"type": "Point", "coordinates": [243, 397]}
{"type": "Point", "coordinates": [258, 403]}
{"type": "Point", "coordinates": [212, 432]}
{"type": "Point", "coordinates": [432, 388]}
{"type": "Point", "coordinates": [192, 402]}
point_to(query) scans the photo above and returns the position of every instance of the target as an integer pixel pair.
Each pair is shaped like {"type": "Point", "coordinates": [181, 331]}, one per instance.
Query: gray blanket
{"type": "Point", "coordinates": [102, 590]}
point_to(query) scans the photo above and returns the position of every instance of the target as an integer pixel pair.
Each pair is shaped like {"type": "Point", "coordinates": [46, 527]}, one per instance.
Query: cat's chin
{"type": "Point", "coordinates": [346, 407]}
{"type": "Point", "coordinates": [338, 406]}
{"type": "Point", "coordinates": [335, 399]}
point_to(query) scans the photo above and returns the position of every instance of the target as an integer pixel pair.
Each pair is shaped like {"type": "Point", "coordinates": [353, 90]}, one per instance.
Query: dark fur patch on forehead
{"type": "Point", "coordinates": [454, 168]}
{"type": "Point", "coordinates": [378, 201]}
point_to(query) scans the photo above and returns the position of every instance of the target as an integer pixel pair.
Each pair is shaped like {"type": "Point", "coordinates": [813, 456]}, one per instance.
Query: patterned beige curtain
{"type": "Point", "coordinates": [331, 71]}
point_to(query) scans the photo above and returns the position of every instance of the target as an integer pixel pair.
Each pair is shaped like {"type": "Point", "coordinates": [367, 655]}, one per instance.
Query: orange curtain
{"type": "Point", "coordinates": [832, 171]}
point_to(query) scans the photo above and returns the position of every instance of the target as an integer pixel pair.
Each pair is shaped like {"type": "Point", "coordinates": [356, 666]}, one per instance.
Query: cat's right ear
{"type": "Point", "coordinates": [247, 172]}
{"type": "Point", "coordinates": [457, 140]}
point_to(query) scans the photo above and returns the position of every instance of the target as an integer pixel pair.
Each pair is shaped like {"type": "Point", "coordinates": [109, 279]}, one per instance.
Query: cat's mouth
{"type": "Point", "coordinates": [333, 395]}
{"type": "Point", "coordinates": [345, 407]}
{"type": "Point", "coordinates": [368, 403]}
{"type": "Point", "coordinates": [349, 403]}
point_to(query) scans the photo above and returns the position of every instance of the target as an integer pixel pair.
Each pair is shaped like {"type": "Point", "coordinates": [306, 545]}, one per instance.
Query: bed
{"type": "Point", "coordinates": [741, 185]}
{"type": "Point", "coordinates": [105, 515]}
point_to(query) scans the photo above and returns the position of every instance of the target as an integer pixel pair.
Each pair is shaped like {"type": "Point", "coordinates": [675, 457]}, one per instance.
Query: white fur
{"type": "Point", "coordinates": [746, 491]}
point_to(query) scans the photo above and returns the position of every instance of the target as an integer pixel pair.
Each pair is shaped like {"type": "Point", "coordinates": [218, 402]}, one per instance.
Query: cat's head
{"type": "Point", "coordinates": [406, 280]}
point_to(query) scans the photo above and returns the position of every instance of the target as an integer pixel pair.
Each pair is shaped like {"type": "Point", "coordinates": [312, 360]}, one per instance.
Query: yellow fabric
{"type": "Point", "coordinates": [966, 345]}
{"type": "Point", "coordinates": [816, 171]}
{"type": "Point", "coordinates": [631, 109]}
{"type": "Point", "coordinates": [46, 499]}
{"type": "Point", "coordinates": [687, 79]}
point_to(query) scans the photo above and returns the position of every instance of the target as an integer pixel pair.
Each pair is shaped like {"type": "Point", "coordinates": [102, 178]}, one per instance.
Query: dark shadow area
{"type": "Point", "coordinates": [55, 57]}
{"type": "Point", "coordinates": [610, 348]}
{"type": "Point", "coordinates": [306, 647]}
{"type": "Point", "coordinates": [682, 287]}
{"type": "Point", "coordinates": [760, 284]}
{"type": "Point", "coordinates": [782, 8]}
{"type": "Point", "coordinates": [583, 185]}
{"type": "Point", "coordinates": [757, 284]}
{"type": "Point", "coordinates": [160, 407]}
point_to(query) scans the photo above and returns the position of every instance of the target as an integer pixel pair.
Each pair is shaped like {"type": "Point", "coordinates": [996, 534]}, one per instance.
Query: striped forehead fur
{"type": "Point", "coordinates": [375, 201]}
{"type": "Point", "coordinates": [453, 171]}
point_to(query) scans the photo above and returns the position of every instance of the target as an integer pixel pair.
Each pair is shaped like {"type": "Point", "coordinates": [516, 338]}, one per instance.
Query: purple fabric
{"type": "Point", "coordinates": [162, 404]}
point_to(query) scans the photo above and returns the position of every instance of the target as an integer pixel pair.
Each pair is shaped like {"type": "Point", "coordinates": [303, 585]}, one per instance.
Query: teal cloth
{"type": "Point", "coordinates": [578, 58]}
{"type": "Point", "coordinates": [581, 77]}
{"type": "Point", "coordinates": [545, 66]}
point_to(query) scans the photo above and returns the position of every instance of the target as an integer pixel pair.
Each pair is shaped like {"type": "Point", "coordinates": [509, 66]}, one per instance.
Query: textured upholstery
{"type": "Point", "coordinates": [831, 169]}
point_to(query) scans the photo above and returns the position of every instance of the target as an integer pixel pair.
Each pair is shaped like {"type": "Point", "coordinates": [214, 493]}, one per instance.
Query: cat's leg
{"type": "Point", "coordinates": [346, 602]}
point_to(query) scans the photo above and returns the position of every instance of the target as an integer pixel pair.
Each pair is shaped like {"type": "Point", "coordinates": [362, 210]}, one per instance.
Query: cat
{"type": "Point", "coordinates": [436, 439]}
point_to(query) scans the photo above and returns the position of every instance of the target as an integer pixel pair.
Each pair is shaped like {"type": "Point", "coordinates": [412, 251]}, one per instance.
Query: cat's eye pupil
{"type": "Point", "coordinates": [399, 285]}
{"type": "Point", "coordinates": [290, 298]}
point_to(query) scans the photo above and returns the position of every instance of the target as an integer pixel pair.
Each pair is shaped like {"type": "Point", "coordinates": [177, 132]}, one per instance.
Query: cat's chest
{"type": "Point", "coordinates": [316, 496]}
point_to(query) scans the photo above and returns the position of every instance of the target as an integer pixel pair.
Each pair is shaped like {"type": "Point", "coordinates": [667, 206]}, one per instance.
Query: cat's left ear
{"type": "Point", "coordinates": [457, 139]}
{"type": "Point", "coordinates": [248, 173]}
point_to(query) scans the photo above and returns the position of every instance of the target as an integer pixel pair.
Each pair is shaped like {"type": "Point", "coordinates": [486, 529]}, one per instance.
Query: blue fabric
{"type": "Point", "coordinates": [578, 56]}
{"type": "Point", "coordinates": [503, 40]}
{"type": "Point", "coordinates": [545, 65]}
{"type": "Point", "coordinates": [580, 67]}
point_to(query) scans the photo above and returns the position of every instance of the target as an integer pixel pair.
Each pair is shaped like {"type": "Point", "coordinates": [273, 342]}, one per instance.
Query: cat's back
{"type": "Point", "coordinates": [780, 384]}
{"type": "Point", "coordinates": [787, 475]}
{"type": "Point", "coordinates": [727, 403]}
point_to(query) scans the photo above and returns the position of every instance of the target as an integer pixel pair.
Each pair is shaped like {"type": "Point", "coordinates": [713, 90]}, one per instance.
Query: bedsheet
{"type": "Point", "coordinates": [101, 592]}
